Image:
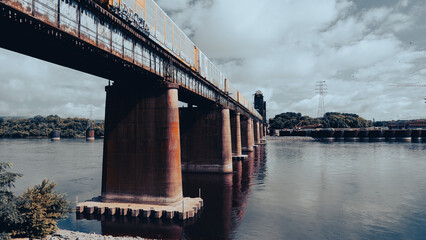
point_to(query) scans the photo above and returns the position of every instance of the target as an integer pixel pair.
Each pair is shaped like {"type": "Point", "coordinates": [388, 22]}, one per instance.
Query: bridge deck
{"type": "Point", "coordinates": [82, 35]}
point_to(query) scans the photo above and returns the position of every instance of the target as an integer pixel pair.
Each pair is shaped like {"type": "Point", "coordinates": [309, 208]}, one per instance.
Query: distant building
{"type": "Point", "coordinates": [259, 104]}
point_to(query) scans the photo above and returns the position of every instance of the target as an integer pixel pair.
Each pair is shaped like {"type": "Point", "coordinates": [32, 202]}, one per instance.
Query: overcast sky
{"type": "Point", "coordinates": [282, 47]}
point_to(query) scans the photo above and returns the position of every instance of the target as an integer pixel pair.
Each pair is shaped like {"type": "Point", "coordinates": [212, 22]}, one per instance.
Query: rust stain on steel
{"type": "Point", "coordinates": [69, 30]}
{"type": "Point", "coordinates": [87, 38]}
{"type": "Point", "coordinates": [19, 6]}
{"type": "Point", "coordinates": [117, 53]}
{"type": "Point", "coordinates": [103, 46]}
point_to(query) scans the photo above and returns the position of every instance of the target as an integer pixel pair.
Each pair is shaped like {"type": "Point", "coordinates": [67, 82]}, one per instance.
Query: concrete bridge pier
{"type": "Point", "coordinates": [236, 136]}
{"type": "Point", "coordinates": [141, 161]}
{"type": "Point", "coordinates": [247, 134]}
{"type": "Point", "coordinates": [256, 133]}
{"type": "Point", "coordinates": [206, 139]}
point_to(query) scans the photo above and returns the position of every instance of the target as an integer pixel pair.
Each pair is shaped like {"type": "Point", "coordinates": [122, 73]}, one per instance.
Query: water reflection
{"type": "Point", "coordinates": [225, 197]}
{"type": "Point", "coordinates": [284, 190]}
{"type": "Point", "coordinates": [216, 191]}
{"type": "Point", "coordinates": [147, 228]}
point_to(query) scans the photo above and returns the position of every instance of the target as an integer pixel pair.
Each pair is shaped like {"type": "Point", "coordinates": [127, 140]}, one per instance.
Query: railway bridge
{"type": "Point", "coordinates": [149, 139]}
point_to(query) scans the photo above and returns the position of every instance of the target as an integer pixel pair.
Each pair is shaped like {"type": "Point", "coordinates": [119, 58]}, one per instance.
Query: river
{"type": "Point", "coordinates": [285, 190]}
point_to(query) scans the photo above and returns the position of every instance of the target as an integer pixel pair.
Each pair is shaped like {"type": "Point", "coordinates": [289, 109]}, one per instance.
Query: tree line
{"type": "Point", "coordinates": [40, 126]}
{"type": "Point", "coordinates": [330, 120]}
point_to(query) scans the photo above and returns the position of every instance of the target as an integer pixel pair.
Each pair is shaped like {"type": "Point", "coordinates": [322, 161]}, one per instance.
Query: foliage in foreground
{"type": "Point", "coordinates": [34, 214]}
{"type": "Point", "coordinates": [10, 217]}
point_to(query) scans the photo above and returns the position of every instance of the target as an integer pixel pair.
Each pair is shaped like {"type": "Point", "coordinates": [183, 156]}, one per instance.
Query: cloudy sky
{"type": "Point", "coordinates": [282, 47]}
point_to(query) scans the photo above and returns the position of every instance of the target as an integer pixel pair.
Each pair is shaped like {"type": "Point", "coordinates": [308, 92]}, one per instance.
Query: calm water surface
{"type": "Point", "coordinates": [285, 190]}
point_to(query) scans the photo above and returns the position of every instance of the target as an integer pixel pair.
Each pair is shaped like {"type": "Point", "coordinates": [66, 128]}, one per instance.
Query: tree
{"type": "Point", "coordinates": [42, 126]}
{"type": "Point", "coordinates": [344, 120]}
{"type": "Point", "coordinates": [41, 207]}
{"type": "Point", "coordinates": [10, 217]}
{"type": "Point", "coordinates": [285, 120]}
{"type": "Point", "coordinates": [34, 214]}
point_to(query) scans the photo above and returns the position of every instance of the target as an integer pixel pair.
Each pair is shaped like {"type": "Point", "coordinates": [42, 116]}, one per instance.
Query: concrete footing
{"type": "Point", "coordinates": [240, 157]}
{"type": "Point", "coordinates": [188, 208]}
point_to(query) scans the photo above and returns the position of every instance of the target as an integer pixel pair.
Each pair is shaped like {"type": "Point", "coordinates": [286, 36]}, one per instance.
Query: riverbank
{"type": "Point", "coordinates": [62, 234]}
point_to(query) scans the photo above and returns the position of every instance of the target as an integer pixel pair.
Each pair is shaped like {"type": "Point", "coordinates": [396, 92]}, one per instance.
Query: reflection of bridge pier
{"type": "Point", "coordinates": [216, 190]}
{"type": "Point", "coordinates": [146, 228]}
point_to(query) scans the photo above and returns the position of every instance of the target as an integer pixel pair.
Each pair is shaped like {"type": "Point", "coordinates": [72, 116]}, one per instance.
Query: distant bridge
{"type": "Point", "coordinates": [148, 139]}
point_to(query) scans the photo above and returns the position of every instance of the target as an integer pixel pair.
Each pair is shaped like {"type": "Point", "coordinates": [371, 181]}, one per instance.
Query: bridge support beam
{"type": "Point", "coordinates": [206, 140]}
{"type": "Point", "coordinates": [262, 134]}
{"type": "Point", "coordinates": [247, 135]}
{"type": "Point", "coordinates": [141, 162]}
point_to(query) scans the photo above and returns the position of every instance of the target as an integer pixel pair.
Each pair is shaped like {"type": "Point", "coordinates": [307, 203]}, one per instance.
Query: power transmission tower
{"type": "Point", "coordinates": [321, 89]}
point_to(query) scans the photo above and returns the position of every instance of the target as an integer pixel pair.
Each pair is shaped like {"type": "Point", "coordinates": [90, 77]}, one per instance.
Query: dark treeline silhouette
{"type": "Point", "coordinates": [329, 120]}
{"type": "Point", "coordinates": [40, 126]}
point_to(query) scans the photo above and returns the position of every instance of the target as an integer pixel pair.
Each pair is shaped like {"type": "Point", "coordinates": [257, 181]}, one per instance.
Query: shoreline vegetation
{"type": "Point", "coordinates": [292, 120]}
{"type": "Point", "coordinates": [295, 121]}
{"type": "Point", "coordinates": [42, 127]}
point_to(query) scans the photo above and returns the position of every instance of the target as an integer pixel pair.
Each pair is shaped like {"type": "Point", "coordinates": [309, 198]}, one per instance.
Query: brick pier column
{"type": "Point", "coordinates": [206, 139]}
{"type": "Point", "coordinates": [141, 161]}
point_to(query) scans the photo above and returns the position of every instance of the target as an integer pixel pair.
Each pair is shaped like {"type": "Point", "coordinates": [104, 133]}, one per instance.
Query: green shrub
{"type": "Point", "coordinates": [10, 217]}
{"type": "Point", "coordinates": [34, 214]}
{"type": "Point", "coordinates": [41, 207]}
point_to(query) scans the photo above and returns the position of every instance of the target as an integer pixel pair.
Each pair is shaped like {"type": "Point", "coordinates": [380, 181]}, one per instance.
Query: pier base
{"type": "Point", "coordinates": [187, 208]}
{"type": "Point", "coordinates": [240, 157]}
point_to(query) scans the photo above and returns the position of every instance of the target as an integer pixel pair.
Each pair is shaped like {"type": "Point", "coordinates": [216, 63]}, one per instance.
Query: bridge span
{"type": "Point", "coordinates": [148, 138]}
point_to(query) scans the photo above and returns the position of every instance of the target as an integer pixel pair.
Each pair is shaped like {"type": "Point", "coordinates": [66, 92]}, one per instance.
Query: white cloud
{"type": "Point", "coordinates": [289, 45]}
